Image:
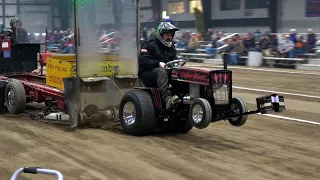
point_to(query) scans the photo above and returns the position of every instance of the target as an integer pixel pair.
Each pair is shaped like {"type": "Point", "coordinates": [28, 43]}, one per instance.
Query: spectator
{"type": "Point", "coordinates": [183, 42]}
{"type": "Point", "coordinates": [293, 34]}
{"type": "Point", "coordinates": [193, 44]}
{"type": "Point", "coordinates": [70, 31]}
{"type": "Point", "coordinates": [152, 33]}
{"type": "Point", "coordinates": [69, 47]}
{"type": "Point", "coordinates": [236, 50]}
{"type": "Point", "coordinates": [299, 48]}
{"type": "Point", "coordinates": [257, 35]}
{"type": "Point", "coordinates": [221, 43]}
{"type": "Point", "coordinates": [228, 48]}
{"type": "Point", "coordinates": [61, 34]}
{"type": "Point", "coordinates": [285, 46]}
{"type": "Point", "coordinates": [221, 34]}
{"type": "Point", "coordinates": [32, 37]}
{"type": "Point", "coordinates": [274, 42]}
{"type": "Point", "coordinates": [56, 37]}
{"type": "Point", "coordinates": [249, 43]}
{"type": "Point", "coordinates": [265, 44]}
{"type": "Point", "coordinates": [50, 33]}
{"type": "Point", "coordinates": [213, 46]}
{"type": "Point", "coordinates": [311, 40]}
{"type": "Point", "coordinates": [65, 33]}
{"type": "Point", "coordinates": [144, 34]}
{"type": "Point", "coordinates": [208, 35]}
{"type": "Point", "coordinates": [199, 36]}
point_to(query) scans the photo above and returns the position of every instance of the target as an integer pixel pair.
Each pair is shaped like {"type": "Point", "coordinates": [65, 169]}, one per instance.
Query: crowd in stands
{"type": "Point", "coordinates": [61, 41]}
{"type": "Point", "coordinates": [290, 46]}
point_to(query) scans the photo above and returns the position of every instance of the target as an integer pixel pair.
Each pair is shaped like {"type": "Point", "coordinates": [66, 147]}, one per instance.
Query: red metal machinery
{"type": "Point", "coordinates": [93, 92]}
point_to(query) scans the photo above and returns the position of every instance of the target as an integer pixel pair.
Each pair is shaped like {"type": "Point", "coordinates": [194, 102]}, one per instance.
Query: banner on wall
{"type": "Point", "coordinates": [312, 8]}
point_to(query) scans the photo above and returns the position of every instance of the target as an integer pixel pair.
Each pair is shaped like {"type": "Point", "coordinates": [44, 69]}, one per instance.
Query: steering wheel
{"type": "Point", "coordinates": [175, 63]}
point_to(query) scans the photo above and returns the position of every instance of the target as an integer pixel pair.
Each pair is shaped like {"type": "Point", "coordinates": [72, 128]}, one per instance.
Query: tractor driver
{"type": "Point", "coordinates": [154, 53]}
{"type": "Point", "coordinates": [20, 34]}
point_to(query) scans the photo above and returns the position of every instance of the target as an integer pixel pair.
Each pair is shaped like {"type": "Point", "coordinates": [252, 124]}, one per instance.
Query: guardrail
{"type": "Point", "coordinates": [227, 37]}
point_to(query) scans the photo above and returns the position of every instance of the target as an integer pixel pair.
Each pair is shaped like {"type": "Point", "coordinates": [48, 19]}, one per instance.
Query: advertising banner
{"type": "Point", "coordinates": [312, 8]}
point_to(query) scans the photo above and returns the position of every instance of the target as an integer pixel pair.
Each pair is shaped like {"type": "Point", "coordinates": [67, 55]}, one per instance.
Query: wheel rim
{"type": "Point", "coordinates": [197, 113]}
{"type": "Point", "coordinates": [129, 113]}
{"type": "Point", "coordinates": [235, 109]}
{"type": "Point", "coordinates": [11, 98]}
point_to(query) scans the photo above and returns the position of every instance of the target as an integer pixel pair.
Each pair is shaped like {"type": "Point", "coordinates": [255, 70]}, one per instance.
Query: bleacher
{"type": "Point", "coordinates": [307, 61]}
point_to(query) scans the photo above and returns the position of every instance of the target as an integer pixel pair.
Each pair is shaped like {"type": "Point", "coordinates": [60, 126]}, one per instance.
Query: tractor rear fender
{"type": "Point", "coordinates": [155, 94]}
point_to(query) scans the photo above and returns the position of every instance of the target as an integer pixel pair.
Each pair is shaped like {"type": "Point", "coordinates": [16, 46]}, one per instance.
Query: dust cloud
{"type": "Point", "coordinates": [115, 17]}
{"type": "Point", "coordinates": [88, 41]}
{"type": "Point", "coordinates": [125, 14]}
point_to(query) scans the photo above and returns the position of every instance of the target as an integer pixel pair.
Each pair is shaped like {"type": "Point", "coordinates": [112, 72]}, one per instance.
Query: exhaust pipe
{"type": "Point", "coordinates": [225, 56]}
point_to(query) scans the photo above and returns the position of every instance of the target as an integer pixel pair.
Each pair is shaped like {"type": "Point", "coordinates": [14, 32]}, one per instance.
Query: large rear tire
{"type": "Point", "coordinates": [136, 113]}
{"type": "Point", "coordinates": [15, 97]}
{"type": "Point", "coordinates": [238, 106]}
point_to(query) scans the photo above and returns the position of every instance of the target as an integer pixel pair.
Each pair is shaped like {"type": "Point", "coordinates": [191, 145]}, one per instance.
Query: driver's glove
{"type": "Point", "coordinates": [162, 64]}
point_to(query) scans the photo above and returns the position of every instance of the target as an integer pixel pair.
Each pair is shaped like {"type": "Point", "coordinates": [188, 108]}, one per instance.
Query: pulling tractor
{"type": "Point", "coordinates": [95, 89]}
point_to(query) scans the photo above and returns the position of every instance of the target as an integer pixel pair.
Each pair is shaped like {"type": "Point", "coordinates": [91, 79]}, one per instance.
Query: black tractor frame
{"type": "Point", "coordinates": [205, 97]}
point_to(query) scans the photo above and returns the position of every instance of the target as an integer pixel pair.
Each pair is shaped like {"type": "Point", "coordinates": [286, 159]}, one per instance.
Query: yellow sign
{"type": "Point", "coordinates": [107, 68]}
{"type": "Point", "coordinates": [57, 69]}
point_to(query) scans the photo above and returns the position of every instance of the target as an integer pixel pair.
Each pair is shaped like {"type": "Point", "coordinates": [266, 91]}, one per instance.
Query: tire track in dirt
{"type": "Point", "coordinates": [264, 148]}
{"type": "Point", "coordinates": [84, 162]}
{"type": "Point", "coordinates": [206, 154]}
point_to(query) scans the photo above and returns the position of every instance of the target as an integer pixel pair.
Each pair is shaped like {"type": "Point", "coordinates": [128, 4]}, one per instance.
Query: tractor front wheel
{"type": "Point", "coordinates": [238, 106]}
{"type": "Point", "coordinates": [200, 114]}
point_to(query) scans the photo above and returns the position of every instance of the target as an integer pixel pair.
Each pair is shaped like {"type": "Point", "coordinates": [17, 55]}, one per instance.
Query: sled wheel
{"type": "Point", "coordinates": [136, 113]}
{"type": "Point", "coordinates": [200, 114]}
{"type": "Point", "coordinates": [15, 97]}
{"type": "Point", "coordinates": [238, 106]}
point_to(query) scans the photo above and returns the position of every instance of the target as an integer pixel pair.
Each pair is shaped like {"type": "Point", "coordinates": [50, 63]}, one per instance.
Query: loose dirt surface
{"type": "Point", "coordinates": [264, 148]}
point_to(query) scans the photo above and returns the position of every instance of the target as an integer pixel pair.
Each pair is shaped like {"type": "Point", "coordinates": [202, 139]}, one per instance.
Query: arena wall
{"type": "Point", "coordinates": [292, 15]}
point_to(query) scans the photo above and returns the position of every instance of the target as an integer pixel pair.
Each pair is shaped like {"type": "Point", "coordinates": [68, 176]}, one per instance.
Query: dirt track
{"type": "Point", "coordinates": [264, 148]}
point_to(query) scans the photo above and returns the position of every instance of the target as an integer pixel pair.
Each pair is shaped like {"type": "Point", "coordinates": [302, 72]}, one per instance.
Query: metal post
{"type": "Point", "coordinates": [138, 31]}
{"type": "Point", "coordinates": [138, 26]}
{"type": "Point", "coordinates": [76, 43]}
{"type": "Point", "coordinates": [225, 61]}
{"type": "Point", "coordinates": [46, 42]}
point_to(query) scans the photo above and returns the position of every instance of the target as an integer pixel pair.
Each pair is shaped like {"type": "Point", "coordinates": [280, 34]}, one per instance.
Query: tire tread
{"type": "Point", "coordinates": [242, 119]}
{"type": "Point", "coordinates": [147, 121]}
{"type": "Point", "coordinates": [21, 97]}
